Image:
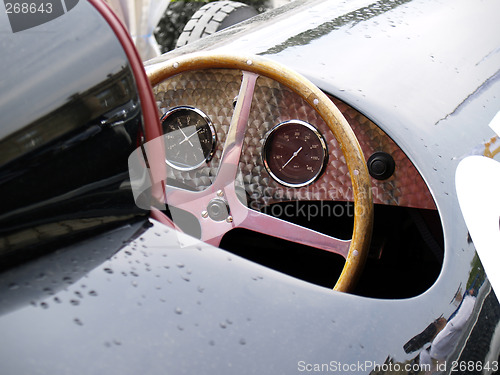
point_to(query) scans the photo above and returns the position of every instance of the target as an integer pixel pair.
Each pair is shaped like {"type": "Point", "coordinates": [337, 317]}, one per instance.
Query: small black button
{"type": "Point", "coordinates": [381, 165]}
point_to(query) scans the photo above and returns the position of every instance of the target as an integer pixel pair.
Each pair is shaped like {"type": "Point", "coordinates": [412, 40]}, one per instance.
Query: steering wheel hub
{"type": "Point", "coordinates": [218, 209]}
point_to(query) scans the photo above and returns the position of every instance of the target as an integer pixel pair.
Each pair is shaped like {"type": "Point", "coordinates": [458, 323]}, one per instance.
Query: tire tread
{"type": "Point", "coordinates": [207, 20]}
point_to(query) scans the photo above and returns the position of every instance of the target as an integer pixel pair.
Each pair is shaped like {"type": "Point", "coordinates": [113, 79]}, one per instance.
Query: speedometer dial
{"type": "Point", "coordinates": [189, 137]}
{"type": "Point", "coordinates": [295, 153]}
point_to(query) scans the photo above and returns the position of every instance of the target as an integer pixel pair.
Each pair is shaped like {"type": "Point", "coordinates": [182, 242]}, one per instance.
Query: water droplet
{"type": "Point", "coordinates": [108, 270]}
{"type": "Point", "coordinates": [211, 343]}
{"type": "Point", "coordinates": [178, 311]}
{"type": "Point", "coordinates": [78, 322]}
{"type": "Point", "coordinates": [201, 289]}
{"type": "Point", "coordinates": [93, 293]}
{"type": "Point", "coordinates": [44, 305]}
{"type": "Point", "coordinates": [223, 325]}
{"type": "Point", "coordinates": [57, 300]}
{"type": "Point", "coordinates": [180, 265]}
{"type": "Point", "coordinates": [13, 286]}
{"type": "Point", "coordinates": [78, 294]}
{"type": "Point", "coordinates": [74, 302]}
{"type": "Point", "coordinates": [242, 341]}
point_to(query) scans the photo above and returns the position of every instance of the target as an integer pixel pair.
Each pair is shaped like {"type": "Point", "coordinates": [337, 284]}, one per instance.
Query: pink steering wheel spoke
{"type": "Point", "coordinates": [210, 206]}
{"type": "Point", "coordinates": [285, 230]}
{"type": "Point", "coordinates": [236, 134]}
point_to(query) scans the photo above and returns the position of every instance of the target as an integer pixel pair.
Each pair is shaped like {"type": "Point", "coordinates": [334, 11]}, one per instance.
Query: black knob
{"type": "Point", "coordinates": [381, 165]}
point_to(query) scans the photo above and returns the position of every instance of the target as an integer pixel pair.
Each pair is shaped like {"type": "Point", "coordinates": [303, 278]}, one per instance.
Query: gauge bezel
{"type": "Point", "coordinates": [316, 133]}
{"type": "Point", "coordinates": [211, 126]}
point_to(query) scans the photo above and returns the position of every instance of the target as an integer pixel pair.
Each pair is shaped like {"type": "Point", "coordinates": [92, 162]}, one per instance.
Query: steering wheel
{"type": "Point", "coordinates": [221, 196]}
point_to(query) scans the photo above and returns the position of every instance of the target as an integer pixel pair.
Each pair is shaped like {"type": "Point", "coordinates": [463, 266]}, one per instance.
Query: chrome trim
{"type": "Point", "coordinates": [212, 131]}
{"type": "Point", "coordinates": [315, 132]}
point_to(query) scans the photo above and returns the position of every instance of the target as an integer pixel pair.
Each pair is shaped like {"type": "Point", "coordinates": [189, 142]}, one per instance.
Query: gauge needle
{"type": "Point", "coordinates": [186, 138]}
{"type": "Point", "coordinates": [293, 156]}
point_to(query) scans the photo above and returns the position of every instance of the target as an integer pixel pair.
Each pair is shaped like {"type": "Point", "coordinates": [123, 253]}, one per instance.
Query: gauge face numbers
{"type": "Point", "coordinates": [189, 138]}
{"type": "Point", "coordinates": [295, 153]}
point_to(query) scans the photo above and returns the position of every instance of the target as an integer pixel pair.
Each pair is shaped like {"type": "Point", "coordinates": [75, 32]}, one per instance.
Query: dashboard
{"type": "Point", "coordinates": [280, 124]}
{"type": "Point", "coordinates": [291, 168]}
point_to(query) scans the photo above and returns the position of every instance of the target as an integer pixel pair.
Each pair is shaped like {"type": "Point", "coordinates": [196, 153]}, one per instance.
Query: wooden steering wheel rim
{"type": "Point", "coordinates": [363, 218]}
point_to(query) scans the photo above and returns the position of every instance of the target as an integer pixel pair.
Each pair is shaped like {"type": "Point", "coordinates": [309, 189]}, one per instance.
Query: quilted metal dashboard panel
{"type": "Point", "coordinates": [213, 91]}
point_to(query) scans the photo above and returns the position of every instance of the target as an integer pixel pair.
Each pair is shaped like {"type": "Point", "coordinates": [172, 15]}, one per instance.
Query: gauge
{"type": "Point", "coordinates": [295, 153]}
{"type": "Point", "coordinates": [189, 137]}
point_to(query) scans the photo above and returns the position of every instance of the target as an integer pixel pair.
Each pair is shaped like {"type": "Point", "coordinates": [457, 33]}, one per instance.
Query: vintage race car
{"type": "Point", "coordinates": [310, 191]}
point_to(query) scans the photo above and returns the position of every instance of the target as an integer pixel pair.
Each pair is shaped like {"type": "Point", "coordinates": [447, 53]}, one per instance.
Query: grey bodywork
{"type": "Point", "coordinates": [426, 73]}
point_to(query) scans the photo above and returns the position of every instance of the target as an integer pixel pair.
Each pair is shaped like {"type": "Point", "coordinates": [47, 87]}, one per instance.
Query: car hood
{"type": "Point", "coordinates": [391, 60]}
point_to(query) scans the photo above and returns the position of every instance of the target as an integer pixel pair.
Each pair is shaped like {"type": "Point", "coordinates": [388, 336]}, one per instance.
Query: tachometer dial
{"type": "Point", "coordinates": [190, 137]}
{"type": "Point", "coordinates": [295, 153]}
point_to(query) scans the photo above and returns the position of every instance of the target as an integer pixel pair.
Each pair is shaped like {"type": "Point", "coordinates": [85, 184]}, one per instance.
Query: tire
{"type": "Point", "coordinates": [213, 17]}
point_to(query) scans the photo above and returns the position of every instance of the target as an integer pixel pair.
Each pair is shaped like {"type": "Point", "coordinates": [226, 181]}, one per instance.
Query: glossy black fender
{"type": "Point", "coordinates": [71, 115]}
